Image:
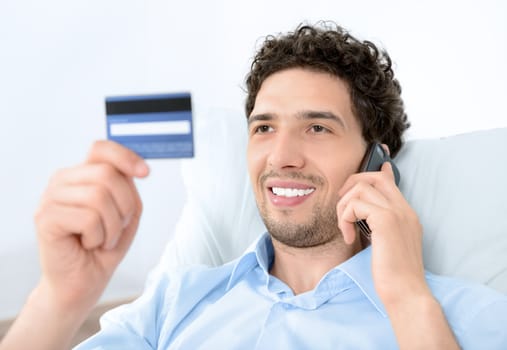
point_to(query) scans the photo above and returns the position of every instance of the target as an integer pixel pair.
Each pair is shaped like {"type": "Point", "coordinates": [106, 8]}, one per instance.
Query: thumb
{"type": "Point", "coordinates": [119, 156]}
{"type": "Point", "coordinates": [387, 169]}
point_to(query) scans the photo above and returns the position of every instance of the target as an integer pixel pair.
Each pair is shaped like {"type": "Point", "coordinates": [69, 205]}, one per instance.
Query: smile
{"type": "Point", "coordinates": [291, 192]}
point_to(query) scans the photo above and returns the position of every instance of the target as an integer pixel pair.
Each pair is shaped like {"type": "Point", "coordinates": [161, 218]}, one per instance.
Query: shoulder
{"type": "Point", "coordinates": [476, 313]}
{"type": "Point", "coordinates": [458, 293]}
{"type": "Point", "coordinates": [169, 295]}
{"type": "Point", "coordinates": [181, 279]}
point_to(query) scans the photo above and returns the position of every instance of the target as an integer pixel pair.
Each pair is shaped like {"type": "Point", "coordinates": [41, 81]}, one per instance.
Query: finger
{"type": "Point", "coordinates": [381, 180]}
{"type": "Point", "coordinates": [57, 221]}
{"type": "Point", "coordinates": [387, 170]}
{"type": "Point", "coordinates": [130, 230]}
{"type": "Point", "coordinates": [103, 175]}
{"type": "Point", "coordinates": [366, 177]}
{"type": "Point", "coordinates": [354, 211]}
{"type": "Point", "coordinates": [365, 192]}
{"type": "Point", "coordinates": [348, 230]}
{"type": "Point", "coordinates": [122, 158]}
{"type": "Point", "coordinates": [127, 236]}
{"type": "Point", "coordinates": [97, 199]}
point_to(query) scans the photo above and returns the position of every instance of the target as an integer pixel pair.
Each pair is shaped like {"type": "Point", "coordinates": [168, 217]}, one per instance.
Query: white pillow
{"type": "Point", "coordinates": [458, 187]}
{"type": "Point", "coordinates": [220, 217]}
{"type": "Point", "coordinates": [455, 184]}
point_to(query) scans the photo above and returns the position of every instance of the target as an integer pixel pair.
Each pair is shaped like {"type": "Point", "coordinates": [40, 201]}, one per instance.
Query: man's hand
{"type": "Point", "coordinates": [396, 234]}
{"type": "Point", "coordinates": [86, 221]}
{"type": "Point", "coordinates": [397, 262]}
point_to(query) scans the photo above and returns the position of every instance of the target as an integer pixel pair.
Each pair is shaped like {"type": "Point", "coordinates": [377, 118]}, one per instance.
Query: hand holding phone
{"type": "Point", "coordinates": [375, 156]}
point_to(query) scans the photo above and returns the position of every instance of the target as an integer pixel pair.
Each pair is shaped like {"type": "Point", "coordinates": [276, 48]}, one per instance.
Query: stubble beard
{"type": "Point", "coordinates": [321, 229]}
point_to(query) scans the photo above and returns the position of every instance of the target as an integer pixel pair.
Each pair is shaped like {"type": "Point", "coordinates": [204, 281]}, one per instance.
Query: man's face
{"type": "Point", "coordinates": [304, 141]}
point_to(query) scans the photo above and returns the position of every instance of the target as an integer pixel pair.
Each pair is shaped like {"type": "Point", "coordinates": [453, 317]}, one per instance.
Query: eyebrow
{"type": "Point", "coordinates": [260, 117]}
{"type": "Point", "coordinates": [321, 115]}
{"type": "Point", "coordinates": [305, 115]}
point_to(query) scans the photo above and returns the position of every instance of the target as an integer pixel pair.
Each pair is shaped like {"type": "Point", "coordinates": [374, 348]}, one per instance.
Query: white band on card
{"type": "Point", "coordinates": [153, 126]}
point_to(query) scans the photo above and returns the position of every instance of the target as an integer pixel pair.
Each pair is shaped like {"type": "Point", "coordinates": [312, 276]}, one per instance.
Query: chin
{"type": "Point", "coordinates": [320, 229]}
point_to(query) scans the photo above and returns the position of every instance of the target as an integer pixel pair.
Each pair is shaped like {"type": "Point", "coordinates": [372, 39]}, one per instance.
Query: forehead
{"type": "Point", "coordinates": [290, 91]}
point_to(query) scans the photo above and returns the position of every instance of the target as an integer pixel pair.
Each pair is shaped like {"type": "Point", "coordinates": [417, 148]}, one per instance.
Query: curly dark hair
{"type": "Point", "coordinates": [327, 47]}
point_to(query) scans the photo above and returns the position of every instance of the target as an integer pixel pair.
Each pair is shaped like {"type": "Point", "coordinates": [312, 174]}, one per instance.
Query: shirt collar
{"type": "Point", "coordinates": [260, 253]}
{"type": "Point", "coordinates": [357, 268]}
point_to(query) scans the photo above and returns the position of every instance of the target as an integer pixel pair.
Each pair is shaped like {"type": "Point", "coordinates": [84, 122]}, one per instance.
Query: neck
{"type": "Point", "coordinates": [302, 268]}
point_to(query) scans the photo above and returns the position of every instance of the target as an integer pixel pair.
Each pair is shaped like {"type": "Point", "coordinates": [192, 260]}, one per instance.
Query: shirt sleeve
{"type": "Point", "coordinates": [488, 329]}
{"type": "Point", "coordinates": [131, 326]}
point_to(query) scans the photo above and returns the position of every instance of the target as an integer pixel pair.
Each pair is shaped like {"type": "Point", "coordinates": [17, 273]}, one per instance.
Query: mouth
{"type": "Point", "coordinates": [291, 192]}
{"type": "Point", "coordinates": [288, 194]}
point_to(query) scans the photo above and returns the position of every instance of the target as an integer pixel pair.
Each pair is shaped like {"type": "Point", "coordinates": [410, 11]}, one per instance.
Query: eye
{"type": "Point", "coordinates": [262, 129]}
{"type": "Point", "coordinates": [318, 129]}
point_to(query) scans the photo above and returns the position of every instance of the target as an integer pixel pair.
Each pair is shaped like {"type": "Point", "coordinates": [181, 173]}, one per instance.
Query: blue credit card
{"type": "Point", "coordinates": [153, 126]}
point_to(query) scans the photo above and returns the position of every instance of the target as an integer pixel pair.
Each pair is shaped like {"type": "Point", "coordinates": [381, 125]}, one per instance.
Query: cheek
{"type": "Point", "coordinates": [337, 180]}
{"type": "Point", "coordinates": [255, 164]}
{"type": "Point", "coordinates": [339, 169]}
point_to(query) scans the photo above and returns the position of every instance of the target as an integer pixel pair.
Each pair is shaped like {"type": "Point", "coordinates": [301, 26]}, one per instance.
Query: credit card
{"type": "Point", "coordinates": [153, 126]}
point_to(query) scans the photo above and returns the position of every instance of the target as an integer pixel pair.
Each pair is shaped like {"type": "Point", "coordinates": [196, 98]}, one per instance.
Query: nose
{"type": "Point", "coordinates": [286, 152]}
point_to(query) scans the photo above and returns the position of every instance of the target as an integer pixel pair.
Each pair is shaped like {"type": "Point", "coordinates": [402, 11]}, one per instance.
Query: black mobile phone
{"type": "Point", "coordinates": [373, 159]}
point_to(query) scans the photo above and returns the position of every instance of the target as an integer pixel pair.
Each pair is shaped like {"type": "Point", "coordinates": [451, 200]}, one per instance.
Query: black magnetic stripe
{"type": "Point", "coordinates": [148, 106]}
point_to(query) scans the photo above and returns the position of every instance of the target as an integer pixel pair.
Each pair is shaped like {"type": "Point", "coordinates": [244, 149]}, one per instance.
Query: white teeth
{"type": "Point", "coordinates": [291, 192]}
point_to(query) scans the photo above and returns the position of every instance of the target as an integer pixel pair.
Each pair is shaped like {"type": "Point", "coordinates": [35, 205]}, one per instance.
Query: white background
{"type": "Point", "coordinates": [59, 59]}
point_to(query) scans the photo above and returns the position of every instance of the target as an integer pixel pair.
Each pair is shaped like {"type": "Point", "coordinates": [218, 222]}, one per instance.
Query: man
{"type": "Point", "coordinates": [317, 98]}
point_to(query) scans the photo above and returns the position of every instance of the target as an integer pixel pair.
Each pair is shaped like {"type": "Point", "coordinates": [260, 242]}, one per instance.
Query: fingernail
{"type": "Point", "coordinates": [142, 168]}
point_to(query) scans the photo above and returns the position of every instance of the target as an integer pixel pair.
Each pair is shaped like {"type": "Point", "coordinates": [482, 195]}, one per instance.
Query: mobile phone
{"type": "Point", "coordinates": [373, 159]}
{"type": "Point", "coordinates": [375, 156]}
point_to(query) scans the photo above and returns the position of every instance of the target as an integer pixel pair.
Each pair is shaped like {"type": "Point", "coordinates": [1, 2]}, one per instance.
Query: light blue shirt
{"type": "Point", "coordinates": [241, 306]}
